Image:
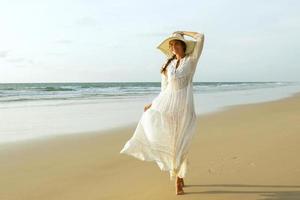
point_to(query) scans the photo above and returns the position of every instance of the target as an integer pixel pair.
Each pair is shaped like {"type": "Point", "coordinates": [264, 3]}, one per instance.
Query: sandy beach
{"type": "Point", "coordinates": [244, 152]}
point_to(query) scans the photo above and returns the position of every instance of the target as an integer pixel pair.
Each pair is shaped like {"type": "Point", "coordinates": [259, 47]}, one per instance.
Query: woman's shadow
{"type": "Point", "coordinates": [266, 192]}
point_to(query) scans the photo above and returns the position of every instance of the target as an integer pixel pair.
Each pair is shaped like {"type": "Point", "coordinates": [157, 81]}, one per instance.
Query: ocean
{"type": "Point", "coordinates": [12, 93]}
{"type": "Point", "coordinates": [32, 110]}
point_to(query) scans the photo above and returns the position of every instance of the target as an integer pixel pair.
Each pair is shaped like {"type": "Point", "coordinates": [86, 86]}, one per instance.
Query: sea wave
{"type": "Point", "coordinates": [18, 92]}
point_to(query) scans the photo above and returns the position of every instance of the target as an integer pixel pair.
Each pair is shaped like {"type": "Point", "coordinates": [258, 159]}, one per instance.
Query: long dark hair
{"type": "Point", "coordinates": [164, 67]}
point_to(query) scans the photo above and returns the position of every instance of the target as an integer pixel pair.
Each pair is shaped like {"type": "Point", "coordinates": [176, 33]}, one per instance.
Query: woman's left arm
{"type": "Point", "coordinates": [199, 37]}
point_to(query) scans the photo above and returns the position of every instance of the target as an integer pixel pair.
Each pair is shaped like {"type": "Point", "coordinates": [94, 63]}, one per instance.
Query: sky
{"type": "Point", "coordinates": [115, 41]}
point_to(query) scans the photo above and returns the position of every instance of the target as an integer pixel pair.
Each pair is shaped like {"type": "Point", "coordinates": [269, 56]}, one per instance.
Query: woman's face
{"type": "Point", "coordinates": [176, 47]}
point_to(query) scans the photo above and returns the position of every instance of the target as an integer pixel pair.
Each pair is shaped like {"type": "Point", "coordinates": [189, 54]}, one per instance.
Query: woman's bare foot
{"type": "Point", "coordinates": [181, 181]}
{"type": "Point", "coordinates": [179, 185]}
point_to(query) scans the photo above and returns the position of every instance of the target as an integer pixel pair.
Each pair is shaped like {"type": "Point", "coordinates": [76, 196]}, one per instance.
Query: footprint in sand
{"type": "Point", "coordinates": [211, 171]}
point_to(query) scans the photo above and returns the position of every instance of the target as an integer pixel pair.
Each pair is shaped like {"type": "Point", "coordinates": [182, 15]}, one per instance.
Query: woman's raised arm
{"type": "Point", "coordinates": [199, 37]}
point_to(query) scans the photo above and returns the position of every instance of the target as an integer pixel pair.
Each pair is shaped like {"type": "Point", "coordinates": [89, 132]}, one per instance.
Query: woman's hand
{"type": "Point", "coordinates": [180, 32]}
{"type": "Point", "coordinates": [147, 106]}
{"type": "Point", "coordinates": [187, 33]}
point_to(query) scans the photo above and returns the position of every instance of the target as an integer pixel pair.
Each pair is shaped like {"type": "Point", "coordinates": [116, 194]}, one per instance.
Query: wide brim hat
{"type": "Point", "coordinates": [164, 45]}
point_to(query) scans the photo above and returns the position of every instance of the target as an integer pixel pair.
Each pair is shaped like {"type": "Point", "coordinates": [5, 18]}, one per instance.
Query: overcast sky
{"type": "Point", "coordinates": [97, 41]}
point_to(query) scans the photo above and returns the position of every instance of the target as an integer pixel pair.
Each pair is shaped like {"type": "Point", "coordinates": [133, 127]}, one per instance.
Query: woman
{"type": "Point", "coordinates": [165, 130]}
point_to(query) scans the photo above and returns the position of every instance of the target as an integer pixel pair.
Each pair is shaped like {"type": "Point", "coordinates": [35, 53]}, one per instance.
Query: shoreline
{"type": "Point", "coordinates": [244, 152]}
{"type": "Point", "coordinates": [132, 125]}
{"type": "Point", "coordinates": [98, 116]}
{"type": "Point", "coordinates": [29, 123]}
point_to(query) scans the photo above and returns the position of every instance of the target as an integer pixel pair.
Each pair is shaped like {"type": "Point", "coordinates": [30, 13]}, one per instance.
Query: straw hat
{"type": "Point", "coordinates": [164, 45]}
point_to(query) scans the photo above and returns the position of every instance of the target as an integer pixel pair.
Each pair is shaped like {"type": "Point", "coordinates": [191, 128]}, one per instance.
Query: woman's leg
{"type": "Point", "coordinates": [183, 171]}
{"type": "Point", "coordinates": [181, 182]}
{"type": "Point", "coordinates": [178, 185]}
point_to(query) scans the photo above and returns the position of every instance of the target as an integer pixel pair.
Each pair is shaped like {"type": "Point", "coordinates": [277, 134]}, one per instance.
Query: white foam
{"type": "Point", "coordinates": [29, 122]}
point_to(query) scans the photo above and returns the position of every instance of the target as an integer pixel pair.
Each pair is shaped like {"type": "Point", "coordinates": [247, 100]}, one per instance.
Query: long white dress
{"type": "Point", "coordinates": [165, 130]}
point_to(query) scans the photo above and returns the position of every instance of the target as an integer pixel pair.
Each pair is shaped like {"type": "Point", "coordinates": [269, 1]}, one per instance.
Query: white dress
{"type": "Point", "coordinates": [165, 130]}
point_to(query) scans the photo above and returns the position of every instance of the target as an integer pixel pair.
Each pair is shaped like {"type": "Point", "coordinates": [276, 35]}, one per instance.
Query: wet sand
{"type": "Point", "coordinates": [244, 152]}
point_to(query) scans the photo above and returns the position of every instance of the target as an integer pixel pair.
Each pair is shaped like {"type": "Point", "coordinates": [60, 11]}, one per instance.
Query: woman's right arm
{"type": "Point", "coordinates": [164, 82]}
{"type": "Point", "coordinates": [147, 106]}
